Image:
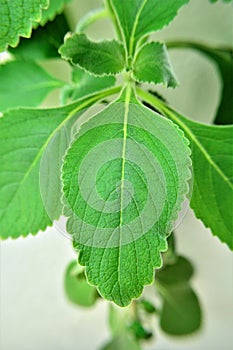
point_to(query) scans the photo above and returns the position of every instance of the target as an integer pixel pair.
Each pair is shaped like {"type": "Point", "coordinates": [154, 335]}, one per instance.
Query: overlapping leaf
{"type": "Point", "coordinates": [27, 136]}
{"type": "Point", "coordinates": [99, 58]}
{"type": "Point", "coordinates": [121, 194]}
{"type": "Point", "coordinates": [44, 41]}
{"type": "Point", "coordinates": [17, 18]}
{"type": "Point", "coordinates": [24, 84]}
{"type": "Point", "coordinates": [85, 84]}
{"type": "Point", "coordinates": [152, 65]}
{"type": "Point", "coordinates": [138, 18]}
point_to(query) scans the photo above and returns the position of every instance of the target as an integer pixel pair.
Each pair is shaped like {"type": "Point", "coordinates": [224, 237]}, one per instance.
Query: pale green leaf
{"type": "Point", "coordinates": [99, 58]}
{"type": "Point", "coordinates": [152, 65]}
{"type": "Point", "coordinates": [24, 84]}
{"type": "Point", "coordinates": [122, 342]}
{"type": "Point", "coordinates": [25, 135]}
{"type": "Point", "coordinates": [77, 290]}
{"type": "Point", "coordinates": [125, 177]}
{"type": "Point", "coordinates": [212, 149]}
{"type": "Point", "coordinates": [44, 41]}
{"type": "Point", "coordinates": [17, 18]}
{"type": "Point", "coordinates": [181, 312]}
{"type": "Point", "coordinates": [138, 18]}
{"type": "Point", "coordinates": [85, 84]}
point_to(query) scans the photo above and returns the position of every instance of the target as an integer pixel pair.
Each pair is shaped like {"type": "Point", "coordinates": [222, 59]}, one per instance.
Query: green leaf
{"type": "Point", "coordinates": [44, 42]}
{"type": "Point", "coordinates": [152, 65]}
{"type": "Point", "coordinates": [138, 18]}
{"type": "Point", "coordinates": [77, 290]}
{"type": "Point", "coordinates": [55, 7]}
{"type": "Point", "coordinates": [226, 1]}
{"type": "Point", "coordinates": [24, 137]}
{"type": "Point", "coordinates": [181, 312]}
{"type": "Point", "coordinates": [95, 57]}
{"type": "Point", "coordinates": [212, 148]}
{"type": "Point", "coordinates": [124, 181]}
{"type": "Point", "coordinates": [223, 60]}
{"type": "Point", "coordinates": [24, 84]}
{"type": "Point", "coordinates": [85, 84]}
{"type": "Point", "coordinates": [122, 342]}
{"type": "Point", "coordinates": [17, 18]}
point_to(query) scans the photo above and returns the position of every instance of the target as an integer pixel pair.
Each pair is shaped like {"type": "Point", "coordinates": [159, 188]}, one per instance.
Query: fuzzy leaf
{"type": "Point", "coordinates": [25, 135]}
{"type": "Point", "coordinates": [99, 58]}
{"type": "Point", "coordinates": [78, 291]}
{"type": "Point", "coordinates": [85, 84]}
{"type": "Point", "coordinates": [17, 18]}
{"type": "Point", "coordinates": [138, 18]}
{"type": "Point", "coordinates": [24, 84]}
{"type": "Point", "coordinates": [44, 42]}
{"type": "Point", "coordinates": [152, 65]}
{"type": "Point", "coordinates": [124, 182]}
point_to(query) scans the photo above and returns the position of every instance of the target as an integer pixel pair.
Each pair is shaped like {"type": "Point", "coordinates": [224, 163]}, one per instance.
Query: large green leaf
{"type": "Point", "coordinates": [85, 84]}
{"type": "Point", "coordinates": [125, 177]}
{"type": "Point", "coordinates": [25, 135]}
{"type": "Point", "coordinates": [138, 18]}
{"type": "Point", "coordinates": [212, 149]}
{"type": "Point", "coordinates": [223, 60]}
{"type": "Point", "coordinates": [181, 312]}
{"type": "Point", "coordinates": [24, 84]}
{"type": "Point", "coordinates": [44, 41]}
{"type": "Point", "coordinates": [152, 65]}
{"type": "Point", "coordinates": [77, 290]}
{"type": "Point", "coordinates": [99, 58]}
{"type": "Point", "coordinates": [17, 18]}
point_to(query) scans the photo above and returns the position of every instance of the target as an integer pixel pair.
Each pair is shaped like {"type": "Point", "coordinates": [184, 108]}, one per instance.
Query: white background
{"type": "Point", "coordinates": [34, 311]}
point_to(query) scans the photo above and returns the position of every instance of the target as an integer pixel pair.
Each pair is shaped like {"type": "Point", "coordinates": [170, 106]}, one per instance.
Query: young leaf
{"type": "Point", "coordinates": [85, 84]}
{"type": "Point", "coordinates": [212, 148]}
{"type": "Point", "coordinates": [17, 18]}
{"type": "Point", "coordinates": [24, 84]}
{"type": "Point", "coordinates": [181, 312]}
{"type": "Point", "coordinates": [44, 42]}
{"type": "Point", "coordinates": [78, 291]}
{"type": "Point", "coordinates": [152, 65]}
{"type": "Point", "coordinates": [224, 61]}
{"type": "Point", "coordinates": [24, 136]}
{"type": "Point", "coordinates": [99, 58]}
{"type": "Point", "coordinates": [138, 18]}
{"type": "Point", "coordinates": [122, 193]}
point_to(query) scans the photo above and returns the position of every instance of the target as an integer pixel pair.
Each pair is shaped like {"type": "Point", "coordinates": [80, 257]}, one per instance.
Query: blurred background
{"type": "Point", "coordinates": [34, 311]}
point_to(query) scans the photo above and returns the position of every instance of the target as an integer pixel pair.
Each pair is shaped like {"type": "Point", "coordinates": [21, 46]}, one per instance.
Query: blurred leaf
{"type": "Point", "coordinates": [147, 306]}
{"type": "Point", "coordinates": [181, 313]}
{"type": "Point", "coordinates": [152, 65]}
{"type": "Point", "coordinates": [78, 291]}
{"type": "Point", "coordinates": [44, 41]}
{"type": "Point", "coordinates": [85, 84]}
{"type": "Point", "coordinates": [95, 57]}
{"type": "Point", "coordinates": [123, 342]}
{"type": "Point", "coordinates": [180, 272]}
{"type": "Point", "coordinates": [24, 84]}
{"type": "Point", "coordinates": [223, 60]}
{"type": "Point", "coordinates": [139, 331]}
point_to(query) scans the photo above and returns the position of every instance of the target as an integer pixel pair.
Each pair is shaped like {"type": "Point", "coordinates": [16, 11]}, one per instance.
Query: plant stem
{"type": "Point", "coordinates": [90, 18]}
